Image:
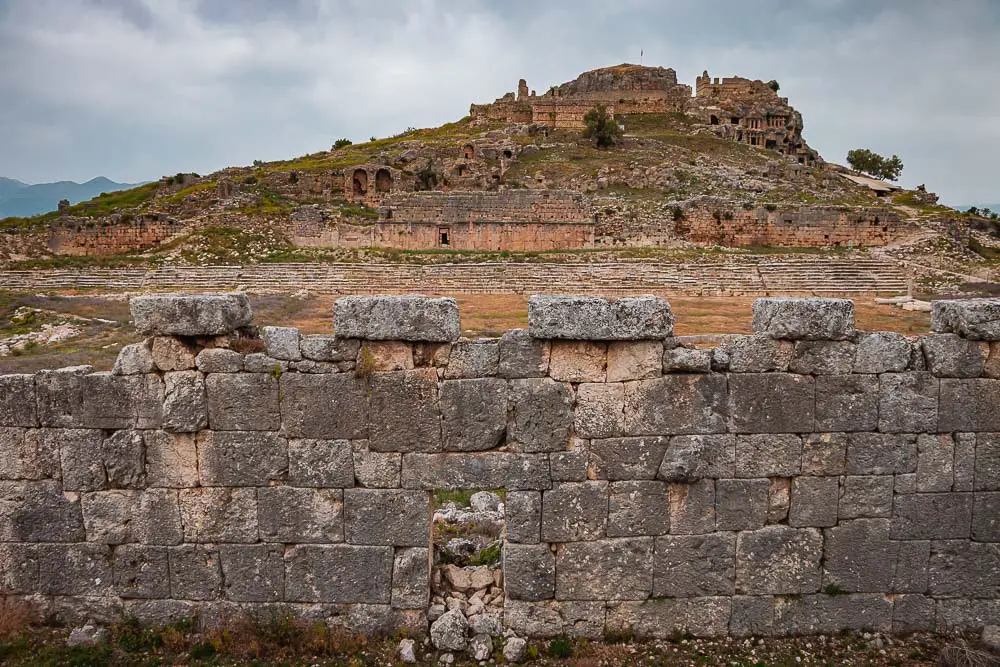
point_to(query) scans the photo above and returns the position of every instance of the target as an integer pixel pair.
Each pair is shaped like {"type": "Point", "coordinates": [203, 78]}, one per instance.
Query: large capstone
{"type": "Point", "coordinates": [976, 319]}
{"type": "Point", "coordinates": [190, 315]}
{"type": "Point", "coordinates": [804, 319]}
{"type": "Point", "coordinates": [408, 317]}
{"type": "Point", "coordinates": [592, 318]}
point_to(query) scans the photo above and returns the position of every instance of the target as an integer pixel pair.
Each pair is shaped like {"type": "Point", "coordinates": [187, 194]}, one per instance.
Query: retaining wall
{"type": "Point", "coordinates": [807, 479]}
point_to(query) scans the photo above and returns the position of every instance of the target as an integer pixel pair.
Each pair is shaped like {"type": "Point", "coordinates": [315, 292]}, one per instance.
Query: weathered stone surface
{"type": "Point", "coordinates": [258, 362]}
{"type": "Point", "coordinates": [935, 516]}
{"type": "Point", "coordinates": [768, 455]}
{"type": "Point", "coordinates": [242, 402]}
{"type": "Point", "coordinates": [324, 406]}
{"type": "Point", "coordinates": [406, 317]}
{"type": "Point", "coordinates": [91, 462]}
{"type": "Point", "coordinates": [752, 616]}
{"type": "Point", "coordinates": [599, 410]}
{"type": "Point", "coordinates": [846, 403]}
{"type": "Point", "coordinates": [522, 356]}
{"type": "Point", "coordinates": [190, 315]}
{"type": "Point", "coordinates": [638, 508]}
{"type": "Point", "coordinates": [375, 470]}
{"type": "Point", "coordinates": [241, 458]}
{"type": "Point", "coordinates": [195, 572]}
{"type": "Point", "coordinates": [626, 458]}
{"type": "Point", "coordinates": [741, 504]}
{"type": "Point", "coordinates": [822, 357]}
{"type": "Point", "coordinates": [975, 319]}
{"type": "Point", "coordinates": [883, 352]}
{"type": "Point", "coordinates": [411, 578]}
{"type": "Point", "coordinates": [987, 474]}
{"type": "Point", "coordinates": [171, 459]}
{"type": "Point", "coordinates": [529, 571]}
{"type": "Point", "coordinates": [329, 348]}
{"type": "Point", "coordinates": [912, 557]}
{"type": "Point", "coordinates": [75, 569]}
{"type": "Point", "coordinates": [320, 463]}
{"type": "Point", "coordinates": [779, 499]}
{"type": "Point", "coordinates": [291, 515]}
{"type": "Point", "coordinates": [135, 359]}
{"type": "Point", "coordinates": [913, 613]}
{"type": "Point", "coordinates": [935, 463]}
{"type": "Point", "coordinates": [473, 359]}
{"type": "Point", "coordinates": [908, 403]}
{"type": "Point", "coordinates": [778, 560]}
{"type": "Point", "coordinates": [474, 414]}
{"type": "Point", "coordinates": [683, 360]}
{"type": "Point", "coordinates": [771, 403]}
{"type": "Point", "coordinates": [759, 354]}
{"type": "Point", "coordinates": [593, 318]}
{"type": "Point", "coordinates": [487, 470]}
{"type": "Point", "coordinates": [859, 556]}
{"type": "Point", "coordinates": [575, 511]}
{"type": "Point", "coordinates": [17, 401]}
{"type": "Point", "coordinates": [969, 405]}
{"type": "Point", "coordinates": [959, 568]}
{"type": "Point", "coordinates": [386, 517]}
{"type": "Point", "coordinates": [965, 462]}
{"type": "Point", "coordinates": [965, 615]}
{"type": "Point", "coordinates": [118, 517]}
{"type": "Point", "coordinates": [689, 458]}
{"type": "Point", "coordinates": [881, 454]}
{"type": "Point", "coordinates": [281, 343]}
{"type": "Point", "coordinates": [39, 512]}
{"type": "Point", "coordinates": [692, 507]}
{"type": "Point", "coordinates": [666, 618]}
{"type": "Point", "coordinates": [339, 573]}
{"type": "Point", "coordinates": [172, 354]}
{"type": "Point", "coordinates": [571, 465]}
{"type": "Point", "coordinates": [219, 515]}
{"type": "Point", "coordinates": [28, 454]}
{"type": "Point", "coordinates": [541, 414]}
{"type": "Point", "coordinates": [524, 516]}
{"type": "Point", "coordinates": [814, 502]}
{"type": "Point", "coordinates": [407, 405]}
{"type": "Point", "coordinates": [252, 573]}
{"type": "Point", "coordinates": [676, 405]}
{"type": "Point", "coordinates": [59, 396]}
{"type": "Point", "coordinates": [824, 454]}
{"type": "Point", "coordinates": [830, 614]}
{"type": "Point", "coordinates": [552, 618]}
{"type": "Point", "coordinates": [385, 356]}
{"type": "Point", "coordinates": [578, 361]}
{"type": "Point", "coordinates": [866, 496]}
{"type": "Point", "coordinates": [634, 360]}
{"type": "Point", "coordinates": [219, 360]}
{"type": "Point", "coordinates": [804, 318]}
{"type": "Point", "coordinates": [185, 408]}
{"type": "Point", "coordinates": [694, 565]}
{"type": "Point", "coordinates": [951, 356]}
{"type": "Point", "coordinates": [626, 565]}
{"type": "Point", "coordinates": [986, 517]}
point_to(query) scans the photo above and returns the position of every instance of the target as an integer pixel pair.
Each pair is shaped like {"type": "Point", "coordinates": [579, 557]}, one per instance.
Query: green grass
{"type": "Point", "coordinates": [179, 196]}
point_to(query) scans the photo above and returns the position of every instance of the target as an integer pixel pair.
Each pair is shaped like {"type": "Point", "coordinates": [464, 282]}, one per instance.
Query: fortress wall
{"type": "Point", "coordinates": [516, 206]}
{"type": "Point", "coordinates": [807, 479]}
{"type": "Point", "coordinates": [89, 238]}
{"type": "Point", "coordinates": [524, 237]}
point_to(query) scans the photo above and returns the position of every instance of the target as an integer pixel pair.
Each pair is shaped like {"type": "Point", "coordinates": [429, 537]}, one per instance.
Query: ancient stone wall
{"type": "Point", "coordinates": [807, 479]}
{"type": "Point", "coordinates": [87, 237]}
{"type": "Point", "coordinates": [517, 206]}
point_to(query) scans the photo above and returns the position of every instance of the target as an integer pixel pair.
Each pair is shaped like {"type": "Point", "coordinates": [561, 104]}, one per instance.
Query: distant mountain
{"type": "Point", "coordinates": [20, 199]}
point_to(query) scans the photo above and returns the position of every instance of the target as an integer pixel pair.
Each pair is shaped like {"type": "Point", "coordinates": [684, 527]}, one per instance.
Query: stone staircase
{"type": "Point", "coordinates": [748, 276]}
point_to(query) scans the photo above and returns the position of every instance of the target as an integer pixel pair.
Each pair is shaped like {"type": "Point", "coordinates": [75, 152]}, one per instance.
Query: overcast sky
{"type": "Point", "coordinates": [135, 89]}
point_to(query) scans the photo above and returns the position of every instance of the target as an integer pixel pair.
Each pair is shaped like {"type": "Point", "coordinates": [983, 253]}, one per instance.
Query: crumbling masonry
{"type": "Point", "coordinates": [809, 478]}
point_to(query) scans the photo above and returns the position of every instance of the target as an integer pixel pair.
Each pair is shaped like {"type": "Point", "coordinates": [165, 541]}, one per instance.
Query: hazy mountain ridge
{"type": "Point", "coordinates": [21, 199]}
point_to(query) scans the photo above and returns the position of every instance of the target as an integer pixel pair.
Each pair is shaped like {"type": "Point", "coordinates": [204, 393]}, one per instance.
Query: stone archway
{"type": "Point", "coordinates": [469, 151]}
{"type": "Point", "coordinates": [383, 180]}
{"type": "Point", "coordinates": [360, 179]}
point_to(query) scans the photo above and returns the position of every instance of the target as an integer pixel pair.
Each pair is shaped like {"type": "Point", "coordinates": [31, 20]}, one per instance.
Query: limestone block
{"type": "Point", "coordinates": [574, 511]}
{"type": "Point", "coordinates": [473, 359]}
{"type": "Point", "coordinates": [572, 464]}
{"type": "Point", "coordinates": [824, 454]}
{"type": "Point", "coordinates": [832, 614]}
{"type": "Point", "coordinates": [600, 410]}
{"type": "Point", "coordinates": [553, 619]}
{"type": "Point", "coordinates": [448, 633]}
{"type": "Point", "coordinates": [779, 498]}
{"type": "Point", "coordinates": [195, 572]}
{"type": "Point", "coordinates": [190, 315]}
{"type": "Point", "coordinates": [172, 354]}
{"type": "Point", "coordinates": [252, 572]}
{"type": "Point", "coordinates": [118, 517]}
{"type": "Point", "coordinates": [385, 356]}
{"type": "Point", "coordinates": [375, 470]}
{"type": "Point", "coordinates": [626, 458]}
{"type": "Point", "coordinates": [637, 508]}
{"type": "Point", "coordinates": [411, 578]}
{"type": "Point", "coordinates": [768, 455]}
{"type": "Point", "coordinates": [409, 416]}
{"type": "Point", "coordinates": [386, 517]}
{"type": "Point", "coordinates": [39, 512]}
{"type": "Point", "coordinates": [905, 483]}
{"type": "Point", "coordinates": [339, 573]}
{"type": "Point", "coordinates": [912, 558]}
{"type": "Point", "coordinates": [625, 565]}
{"type": "Point", "coordinates": [329, 348]}
{"type": "Point", "coordinates": [935, 463]}
{"type": "Point", "coordinates": [753, 616]}
{"type": "Point", "coordinates": [908, 403]}
{"type": "Point", "coordinates": [666, 618]}
{"type": "Point", "coordinates": [881, 454]}
{"type": "Point", "coordinates": [992, 367]}
{"type": "Point", "coordinates": [951, 356]}
{"type": "Point", "coordinates": [405, 317]}
{"type": "Point", "coordinates": [71, 399]}
{"type": "Point", "coordinates": [258, 362]}
{"type": "Point", "coordinates": [634, 360]}
{"type": "Point", "coordinates": [135, 359]}
{"type": "Point", "coordinates": [241, 458]}
{"type": "Point", "coordinates": [741, 504]}
{"type": "Point", "coordinates": [171, 459]}
{"type": "Point", "coordinates": [473, 414]}
{"type": "Point", "coordinates": [593, 318]}
{"type": "Point", "coordinates": [866, 496]}
{"type": "Point", "coordinates": [987, 475]}
{"type": "Point", "coordinates": [59, 396]}
{"type": "Point", "coordinates": [185, 408]}
{"type": "Point", "coordinates": [932, 516]}
{"type": "Point", "coordinates": [141, 572]}
{"type": "Point", "coordinates": [821, 357]}
{"type": "Point", "coordinates": [686, 360]}
{"type": "Point", "coordinates": [964, 615]}
{"type": "Point", "coordinates": [529, 572]}
{"type": "Point", "coordinates": [541, 415]}
{"type": "Point", "coordinates": [758, 354]}
{"type": "Point", "coordinates": [320, 463]}
{"type": "Point", "coordinates": [74, 569]}
{"type": "Point", "coordinates": [218, 514]}
{"type": "Point", "coordinates": [778, 560]}
{"type": "Point", "coordinates": [771, 403]}
{"type": "Point", "coordinates": [686, 566]}
{"type": "Point", "coordinates": [689, 458]}
{"type": "Point", "coordinates": [333, 406]}
{"type": "Point", "coordinates": [242, 402]}
{"type": "Point", "coordinates": [965, 462]}
{"type": "Point", "coordinates": [814, 502]}
{"type": "Point", "coordinates": [846, 403]}
{"type": "Point", "coordinates": [431, 354]}
{"type": "Point", "coordinates": [522, 356]}
{"type": "Point", "coordinates": [28, 454]}
{"type": "Point", "coordinates": [676, 405]}
{"type": "Point", "coordinates": [578, 361]}
{"type": "Point", "coordinates": [524, 516]}
{"type": "Point", "coordinates": [913, 613]}
{"type": "Point", "coordinates": [291, 515]}
{"type": "Point", "coordinates": [883, 352]}
{"type": "Point", "coordinates": [960, 568]}
{"type": "Point", "coordinates": [986, 517]}
{"type": "Point", "coordinates": [91, 462]}
{"type": "Point", "coordinates": [969, 405]}
{"type": "Point", "coordinates": [281, 343]}
{"type": "Point", "coordinates": [796, 318]}
{"type": "Point", "coordinates": [692, 507]}
{"type": "Point", "coordinates": [219, 360]}
{"type": "Point", "coordinates": [975, 319]}
{"type": "Point", "coordinates": [486, 470]}
{"type": "Point", "coordinates": [17, 401]}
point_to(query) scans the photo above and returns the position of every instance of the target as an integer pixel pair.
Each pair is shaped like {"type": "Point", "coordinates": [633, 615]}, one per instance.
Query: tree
{"type": "Point", "coordinates": [340, 143]}
{"type": "Point", "coordinates": [873, 164]}
{"type": "Point", "coordinates": [601, 127]}
{"type": "Point", "coordinates": [773, 85]}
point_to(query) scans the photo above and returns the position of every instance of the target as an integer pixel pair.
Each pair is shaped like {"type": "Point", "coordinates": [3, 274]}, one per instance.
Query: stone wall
{"type": "Point", "coordinates": [810, 478]}
{"type": "Point", "coordinates": [89, 237]}
{"type": "Point", "coordinates": [516, 206]}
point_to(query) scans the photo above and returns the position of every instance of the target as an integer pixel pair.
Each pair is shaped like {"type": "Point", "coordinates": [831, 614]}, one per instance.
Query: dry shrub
{"type": "Point", "coordinates": [16, 616]}
{"type": "Point", "coordinates": [281, 636]}
{"type": "Point", "coordinates": [965, 654]}
{"type": "Point", "coordinates": [246, 345]}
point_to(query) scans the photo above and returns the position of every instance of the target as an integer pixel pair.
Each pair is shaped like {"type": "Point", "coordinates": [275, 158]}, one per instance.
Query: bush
{"type": "Point", "coordinates": [773, 85]}
{"type": "Point", "coordinates": [873, 164]}
{"type": "Point", "coordinates": [561, 647]}
{"type": "Point", "coordinates": [601, 127]}
{"type": "Point", "coordinates": [341, 143]}
{"type": "Point", "coordinates": [678, 213]}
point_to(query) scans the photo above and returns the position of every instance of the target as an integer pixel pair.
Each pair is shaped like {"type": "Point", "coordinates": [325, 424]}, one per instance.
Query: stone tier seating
{"type": "Point", "coordinates": [812, 276]}
{"type": "Point", "coordinates": [808, 478]}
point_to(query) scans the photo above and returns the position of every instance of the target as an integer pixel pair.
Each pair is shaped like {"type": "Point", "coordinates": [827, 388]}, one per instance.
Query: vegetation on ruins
{"type": "Point", "coordinates": [773, 85]}
{"type": "Point", "coordinates": [341, 143]}
{"type": "Point", "coordinates": [601, 127]}
{"type": "Point", "coordinates": [873, 164]}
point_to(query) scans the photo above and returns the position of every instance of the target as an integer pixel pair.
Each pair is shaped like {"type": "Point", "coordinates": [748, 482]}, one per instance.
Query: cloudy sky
{"type": "Point", "coordinates": [135, 89]}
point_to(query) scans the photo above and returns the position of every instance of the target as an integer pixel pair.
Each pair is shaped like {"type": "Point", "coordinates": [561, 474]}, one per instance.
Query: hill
{"type": "Point", "coordinates": [20, 199]}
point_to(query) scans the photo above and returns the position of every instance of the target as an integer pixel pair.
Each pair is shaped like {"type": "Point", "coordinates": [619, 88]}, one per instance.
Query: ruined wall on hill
{"type": "Point", "coordinates": [79, 237]}
{"type": "Point", "coordinates": [808, 478]}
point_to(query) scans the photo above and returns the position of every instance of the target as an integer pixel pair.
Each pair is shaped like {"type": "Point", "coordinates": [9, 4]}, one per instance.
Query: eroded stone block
{"type": "Point", "coordinates": [796, 318]}
{"type": "Point", "coordinates": [626, 566]}
{"type": "Point", "coordinates": [600, 410]}
{"type": "Point", "coordinates": [627, 458]}
{"type": "Point", "coordinates": [522, 356]}
{"type": "Point", "coordinates": [211, 515]}
{"type": "Point", "coordinates": [242, 402]}
{"type": "Point", "coordinates": [321, 463]}
{"type": "Point", "coordinates": [771, 403]}
{"type": "Point", "coordinates": [474, 414]}
{"type": "Point", "coordinates": [741, 504]}
{"type": "Point", "coordinates": [486, 470]}
{"type": "Point", "coordinates": [883, 352]}
{"type": "Point", "coordinates": [409, 416]}
{"type": "Point", "coordinates": [339, 573]}
{"type": "Point", "coordinates": [575, 511]}
{"type": "Point", "coordinates": [292, 515]}
{"type": "Point", "coordinates": [386, 517]}
{"type": "Point", "coordinates": [975, 319]}
{"type": "Point", "coordinates": [593, 318]}
{"type": "Point", "coordinates": [241, 458]}
{"type": "Point", "coordinates": [637, 508]}
{"type": "Point", "coordinates": [252, 572]}
{"type": "Point", "coordinates": [473, 359]}
{"type": "Point", "coordinates": [634, 360]}
{"type": "Point", "coordinates": [692, 507]}
{"type": "Point", "coordinates": [185, 409]}
{"type": "Point", "coordinates": [676, 405]}
{"type": "Point", "coordinates": [190, 315]}
{"type": "Point", "coordinates": [529, 572]}
{"type": "Point", "coordinates": [778, 560]}
{"type": "Point", "coordinates": [694, 565]}
{"type": "Point", "coordinates": [330, 407]}
{"type": "Point", "coordinates": [541, 415]}
{"type": "Point", "coordinates": [411, 578]}
{"type": "Point", "coordinates": [397, 317]}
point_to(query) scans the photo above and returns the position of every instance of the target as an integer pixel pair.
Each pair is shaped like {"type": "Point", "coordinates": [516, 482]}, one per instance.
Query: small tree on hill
{"type": "Point", "coordinates": [340, 143]}
{"type": "Point", "coordinates": [873, 164]}
{"type": "Point", "coordinates": [601, 127]}
{"type": "Point", "coordinates": [773, 85]}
